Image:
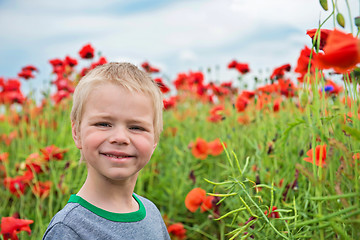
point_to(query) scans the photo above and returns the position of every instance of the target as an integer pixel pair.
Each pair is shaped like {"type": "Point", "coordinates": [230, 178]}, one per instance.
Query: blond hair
{"type": "Point", "coordinates": [125, 75]}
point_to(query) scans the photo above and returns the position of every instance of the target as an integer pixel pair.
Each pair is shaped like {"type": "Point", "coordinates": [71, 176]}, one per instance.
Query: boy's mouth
{"type": "Point", "coordinates": [122, 155]}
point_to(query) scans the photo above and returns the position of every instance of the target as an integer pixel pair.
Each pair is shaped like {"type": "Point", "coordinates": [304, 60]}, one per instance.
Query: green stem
{"type": "Point", "coordinates": [349, 11]}
{"type": "Point", "coordinates": [327, 217]}
{"type": "Point", "coordinates": [261, 212]}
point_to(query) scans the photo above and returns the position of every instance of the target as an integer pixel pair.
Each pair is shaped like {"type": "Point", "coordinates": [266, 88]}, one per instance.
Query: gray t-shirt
{"type": "Point", "coordinates": [80, 219]}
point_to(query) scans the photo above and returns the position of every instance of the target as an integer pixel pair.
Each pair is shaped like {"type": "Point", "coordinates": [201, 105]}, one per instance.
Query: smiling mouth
{"type": "Point", "coordinates": [114, 156]}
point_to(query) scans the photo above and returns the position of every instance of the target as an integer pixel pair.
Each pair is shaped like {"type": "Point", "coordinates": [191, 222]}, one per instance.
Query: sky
{"type": "Point", "coordinates": [174, 36]}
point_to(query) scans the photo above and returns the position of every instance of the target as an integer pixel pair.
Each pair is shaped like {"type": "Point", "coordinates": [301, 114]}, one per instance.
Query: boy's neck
{"type": "Point", "coordinates": [110, 196]}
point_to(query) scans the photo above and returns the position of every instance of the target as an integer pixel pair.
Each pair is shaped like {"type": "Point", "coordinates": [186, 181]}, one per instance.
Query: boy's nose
{"type": "Point", "coordinates": [119, 136]}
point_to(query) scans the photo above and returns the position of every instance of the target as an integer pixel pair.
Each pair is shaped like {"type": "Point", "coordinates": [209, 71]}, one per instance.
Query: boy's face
{"type": "Point", "coordinates": [116, 135]}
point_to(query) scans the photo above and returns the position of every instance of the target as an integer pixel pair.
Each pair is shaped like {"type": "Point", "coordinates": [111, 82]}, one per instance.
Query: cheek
{"type": "Point", "coordinates": [89, 142]}
{"type": "Point", "coordinates": [146, 146]}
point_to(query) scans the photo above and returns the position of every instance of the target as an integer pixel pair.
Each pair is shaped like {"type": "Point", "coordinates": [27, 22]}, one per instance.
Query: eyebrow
{"type": "Point", "coordinates": [102, 116]}
{"type": "Point", "coordinates": [135, 121]}
{"type": "Point", "coordinates": [109, 117]}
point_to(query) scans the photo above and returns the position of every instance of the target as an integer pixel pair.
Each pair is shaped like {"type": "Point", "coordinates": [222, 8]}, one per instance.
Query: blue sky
{"type": "Point", "coordinates": [175, 36]}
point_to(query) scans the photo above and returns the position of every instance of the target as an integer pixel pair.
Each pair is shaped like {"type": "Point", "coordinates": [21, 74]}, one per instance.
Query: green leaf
{"type": "Point", "coordinates": [352, 131]}
{"type": "Point", "coordinates": [291, 126]}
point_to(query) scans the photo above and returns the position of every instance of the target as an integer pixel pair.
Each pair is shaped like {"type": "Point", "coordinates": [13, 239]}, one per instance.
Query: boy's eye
{"type": "Point", "coordinates": [138, 128]}
{"type": "Point", "coordinates": [102, 124]}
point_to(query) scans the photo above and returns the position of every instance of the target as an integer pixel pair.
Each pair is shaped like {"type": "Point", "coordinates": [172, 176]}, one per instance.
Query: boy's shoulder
{"type": "Point", "coordinates": [82, 222]}
{"type": "Point", "coordinates": [67, 215]}
{"type": "Point", "coordinates": [63, 222]}
{"type": "Point", "coordinates": [145, 201]}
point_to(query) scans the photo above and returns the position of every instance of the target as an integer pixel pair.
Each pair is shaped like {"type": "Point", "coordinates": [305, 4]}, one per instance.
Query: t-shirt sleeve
{"type": "Point", "coordinates": [61, 231]}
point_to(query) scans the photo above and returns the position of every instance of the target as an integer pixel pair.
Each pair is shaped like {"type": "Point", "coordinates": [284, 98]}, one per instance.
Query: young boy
{"type": "Point", "coordinates": [116, 121]}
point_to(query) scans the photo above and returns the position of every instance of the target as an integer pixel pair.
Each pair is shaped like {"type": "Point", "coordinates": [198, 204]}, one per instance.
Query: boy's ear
{"type": "Point", "coordinates": [75, 135]}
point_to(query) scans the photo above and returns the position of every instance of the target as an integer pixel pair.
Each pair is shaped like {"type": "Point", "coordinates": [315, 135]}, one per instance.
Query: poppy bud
{"type": "Point", "coordinates": [357, 21]}
{"type": "Point", "coordinates": [301, 153]}
{"type": "Point", "coordinates": [304, 99]}
{"type": "Point", "coordinates": [324, 4]}
{"type": "Point", "coordinates": [340, 20]}
{"type": "Point", "coordinates": [67, 165]}
{"type": "Point", "coordinates": [192, 176]}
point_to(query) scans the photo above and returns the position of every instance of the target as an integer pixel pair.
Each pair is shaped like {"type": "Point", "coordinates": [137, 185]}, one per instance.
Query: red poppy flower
{"type": "Point", "coordinates": [280, 183]}
{"type": "Point", "coordinates": [232, 64]}
{"type": "Point", "coordinates": [4, 157]}
{"type": "Point", "coordinates": [87, 52]}
{"type": "Point", "coordinates": [149, 68]}
{"type": "Point", "coordinates": [319, 150]}
{"type": "Point", "coordinates": [207, 204]}
{"type": "Point", "coordinates": [216, 113]}
{"type": "Point", "coordinates": [324, 33]}
{"type": "Point", "coordinates": [201, 90]}
{"type": "Point", "coordinates": [64, 84]}
{"type": "Point", "coordinates": [287, 87]}
{"type": "Point", "coordinates": [177, 230]}
{"type": "Point", "coordinates": [215, 118]}
{"type": "Point", "coordinates": [277, 103]}
{"type": "Point", "coordinates": [241, 67]}
{"type": "Point", "coordinates": [2, 83]}
{"type": "Point", "coordinates": [56, 62]}
{"type": "Point", "coordinates": [58, 65]}
{"type": "Point", "coordinates": [26, 74]}
{"type": "Point", "coordinates": [30, 67]}
{"type": "Point", "coordinates": [84, 71]}
{"type": "Point", "coordinates": [52, 152]}
{"type": "Point", "coordinates": [280, 71]}
{"type": "Point", "coordinates": [34, 162]}
{"type": "Point", "coordinates": [227, 84]}
{"type": "Point", "coordinates": [220, 91]}
{"type": "Point", "coordinates": [72, 62]}
{"type": "Point", "coordinates": [341, 52]}
{"type": "Point", "coordinates": [163, 88]}
{"type": "Point", "coordinates": [17, 185]}
{"type": "Point", "coordinates": [11, 84]}
{"type": "Point", "coordinates": [42, 189]}
{"type": "Point", "coordinates": [60, 95]}
{"type": "Point", "coordinates": [200, 149]}
{"type": "Point", "coordinates": [196, 78]}
{"type": "Point", "coordinates": [169, 103]}
{"type": "Point", "coordinates": [7, 139]}
{"type": "Point", "coordinates": [243, 119]}
{"type": "Point", "coordinates": [11, 97]}
{"type": "Point", "coordinates": [194, 199]}
{"type": "Point", "coordinates": [272, 214]}
{"type": "Point", "coordinates": [11, 226]}
{"type": "Point", "coordinates": [215, 147]}
{"type": "Point", "coordinates": [241, 103]}
{"type": "Point", "coordinates": [303, 63]}
{"type": "Point", "coordinates": [248, 94]}
{"type": "Point", "coordinates": [101, 61]}
{"type": "Point", "coordinates": [181, 81]}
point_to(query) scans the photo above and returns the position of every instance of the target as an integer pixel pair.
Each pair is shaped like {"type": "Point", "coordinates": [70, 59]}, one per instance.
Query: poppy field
{"type": "Point", "coordinates": [280, 161]}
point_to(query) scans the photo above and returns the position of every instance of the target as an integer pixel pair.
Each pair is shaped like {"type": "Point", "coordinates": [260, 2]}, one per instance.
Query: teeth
{"type": "Point", "coordinates": [110, 155]}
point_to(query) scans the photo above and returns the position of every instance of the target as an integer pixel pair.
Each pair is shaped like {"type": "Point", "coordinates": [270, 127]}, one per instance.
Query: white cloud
{"type": "Point", "coordinates": [187, 56]}
{"type": "Point", "coordinates": [193, 34]}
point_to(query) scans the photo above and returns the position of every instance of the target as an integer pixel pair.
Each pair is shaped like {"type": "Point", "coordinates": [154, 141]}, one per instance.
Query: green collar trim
{"type": "Point", "coordinates": [116, 217]}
